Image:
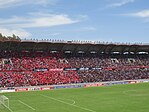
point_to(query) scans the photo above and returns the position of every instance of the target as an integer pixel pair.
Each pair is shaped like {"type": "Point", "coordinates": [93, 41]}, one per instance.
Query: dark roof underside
{"type": "Point", "coordinates": [73, 47]}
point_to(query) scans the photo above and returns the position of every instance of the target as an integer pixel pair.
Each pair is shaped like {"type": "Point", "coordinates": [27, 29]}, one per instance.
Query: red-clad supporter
{"type": "Point", "coordinates": [41, 68]}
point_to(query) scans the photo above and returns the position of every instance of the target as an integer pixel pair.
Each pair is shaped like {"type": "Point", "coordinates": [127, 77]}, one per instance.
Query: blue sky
{"type": "Point", "coordinates": [95, 20]}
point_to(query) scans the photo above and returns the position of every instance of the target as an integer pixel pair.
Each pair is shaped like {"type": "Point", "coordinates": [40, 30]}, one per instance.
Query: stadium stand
{"type": "Point", "coordinates": [51, 63]}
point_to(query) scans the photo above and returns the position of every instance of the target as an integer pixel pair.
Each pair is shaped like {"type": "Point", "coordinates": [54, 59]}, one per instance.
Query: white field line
{"type": "Point", "coordinates": [26, 105]}
{"type": "Point", "coordinates": [6, 107]}
{"type": "Point", "coordinates": [68, 100]}
{"type": "Point", "coordinates": [83, 108]}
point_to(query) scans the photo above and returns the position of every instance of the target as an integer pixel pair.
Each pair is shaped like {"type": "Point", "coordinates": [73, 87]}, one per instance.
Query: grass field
{"type": "Point", "coordinates": [119, 98]}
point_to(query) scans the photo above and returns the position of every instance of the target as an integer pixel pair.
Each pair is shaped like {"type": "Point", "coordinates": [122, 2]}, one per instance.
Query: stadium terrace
{"type": "Point", "coordinates": [34, 63]}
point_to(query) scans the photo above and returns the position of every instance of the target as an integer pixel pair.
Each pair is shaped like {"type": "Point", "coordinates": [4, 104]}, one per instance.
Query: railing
{"type": "Point", "coordinates": [80, 42]}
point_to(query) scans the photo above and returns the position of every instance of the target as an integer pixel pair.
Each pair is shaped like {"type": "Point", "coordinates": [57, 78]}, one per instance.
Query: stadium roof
{"type": "Point", "coordinates": [73, 46]}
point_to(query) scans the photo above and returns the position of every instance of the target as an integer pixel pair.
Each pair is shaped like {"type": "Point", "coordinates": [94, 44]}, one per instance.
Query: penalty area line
{"type": "Point", "coordinates": [26, 105]}
{"type": "Point", "coordinates": [68, 100]}
{"type": "Point", "coordinates": [58, 100]}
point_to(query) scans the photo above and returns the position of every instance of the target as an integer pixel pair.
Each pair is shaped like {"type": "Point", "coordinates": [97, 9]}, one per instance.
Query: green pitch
{"type": "Point", "coordinates": [120, 98]}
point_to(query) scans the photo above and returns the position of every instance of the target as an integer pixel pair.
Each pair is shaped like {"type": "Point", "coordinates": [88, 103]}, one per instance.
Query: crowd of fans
{"type": "Point", "coordinates": [111, 69]}
{"type": "Point", "coordinates": [15, 79]}
{"type": "Point", "coordinates": [113, 75]}
{"type": "Point", "coordinates": [47, 68]}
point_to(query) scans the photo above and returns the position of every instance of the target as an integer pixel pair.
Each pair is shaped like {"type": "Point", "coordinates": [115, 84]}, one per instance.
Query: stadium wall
{"type": "Point", "coordinates": [79, 85]}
